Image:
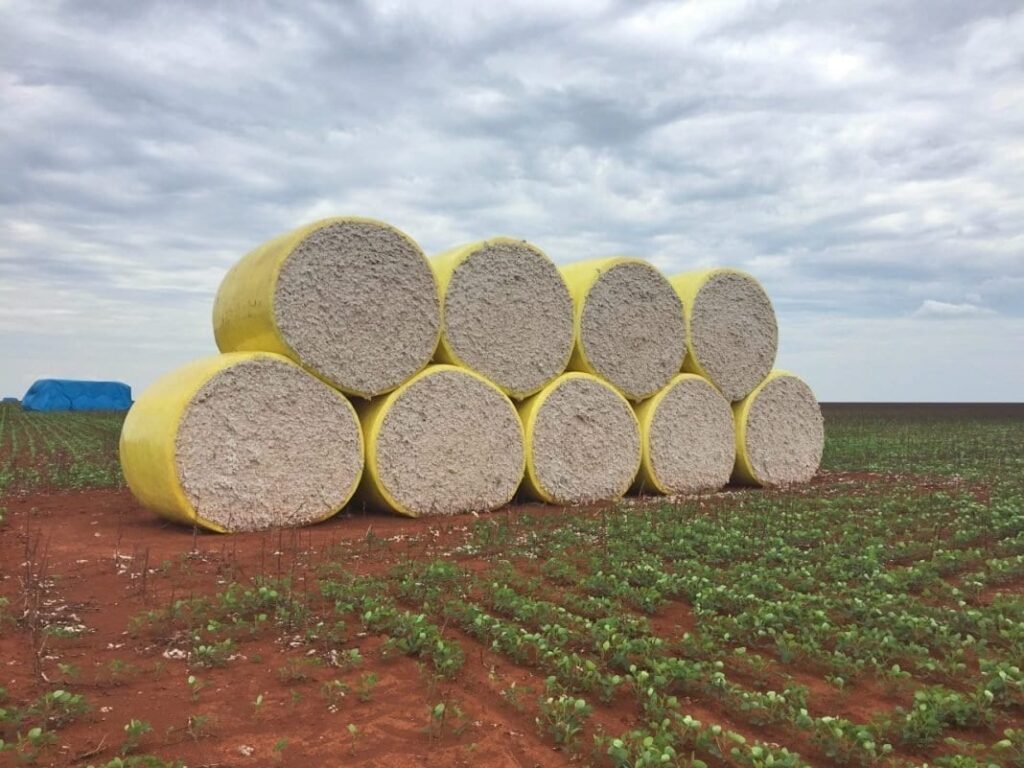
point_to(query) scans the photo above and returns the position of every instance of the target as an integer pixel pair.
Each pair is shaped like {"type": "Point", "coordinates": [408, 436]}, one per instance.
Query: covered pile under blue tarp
{"type": "Point", "coordinates": [68, 395]}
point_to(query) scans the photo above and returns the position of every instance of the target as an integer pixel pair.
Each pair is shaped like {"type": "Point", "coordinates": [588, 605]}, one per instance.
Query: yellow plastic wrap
{"type": "Point", "coordinates": [744, 471]}
{"type": "Point", "coordinates": [444, 266]}
{"type": "Point", "coordinates": [148, 446]}
{"type": "Point", "coordinates": [646, 479]}
{"type": "Point", "coordinates": [243, 312]}
{"type": "Point", "coordinates": [528, 410]}
{"type": "Point", "coordinates": [371, 416]}
{"type": "Point", "coordinates": [688, 285]}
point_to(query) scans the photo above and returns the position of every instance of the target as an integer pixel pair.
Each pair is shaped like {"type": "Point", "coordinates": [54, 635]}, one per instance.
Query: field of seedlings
{"type": "Point", "coordinates": [874, 617]}
{"type": "Point", "coordinates": [58, 451]}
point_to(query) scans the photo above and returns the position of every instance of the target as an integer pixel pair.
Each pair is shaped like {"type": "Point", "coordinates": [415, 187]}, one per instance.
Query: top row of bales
{"type": "Point", "coordinates": [246, 440]}
{"type": "Point", "coordinates": [356, 303]}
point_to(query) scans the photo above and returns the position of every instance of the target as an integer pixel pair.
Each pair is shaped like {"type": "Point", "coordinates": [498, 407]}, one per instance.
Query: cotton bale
{"type": "Point", "coordinates": [630, 325]}
{"type": "Point", "coordinates": [687, 436]}
{"type": "Point", "coordinates": [507, 313]}
{"type": "Point", "coordinates": [447, 441]}
{"type": "Point", "coordinates": [241, 442]}
{"type": "Point", "coordinates": [732, 334]}
{"type": "Point", "coordinates": [352, 300]}
{"type": "Point", "coordinates": [582, 441]}
{"type": "Point", "coordinates": [780, 433]}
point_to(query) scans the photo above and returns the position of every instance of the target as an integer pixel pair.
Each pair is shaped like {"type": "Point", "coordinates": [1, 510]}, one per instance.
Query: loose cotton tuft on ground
{"type": "Point", "coordinates": [688, 438]}
{"type": "Point", "coordinates": [507, 314]}
{"type": "Point", "coordinates": [446, 441]}
{"type": "Point", "coordinates": [352, 300]}
{"type": "Point", "coordinates": [583, 441]}
{"type": "Point", "coordinates": [780, 434]}
{"type": "Point", "coordinates": [242, 442]}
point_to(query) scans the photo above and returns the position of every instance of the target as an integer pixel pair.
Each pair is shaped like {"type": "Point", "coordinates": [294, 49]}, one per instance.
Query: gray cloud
{"type": "Point", "coordinates": [863, 159]}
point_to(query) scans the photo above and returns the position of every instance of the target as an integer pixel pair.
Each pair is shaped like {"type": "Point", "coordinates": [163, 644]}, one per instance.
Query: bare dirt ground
{"type": "Point", "coordinates": [93, 560]}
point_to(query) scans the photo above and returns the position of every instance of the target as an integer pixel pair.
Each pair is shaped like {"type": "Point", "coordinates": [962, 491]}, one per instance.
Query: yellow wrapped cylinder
{"type": "Point", "coordinates": [506, 313]}
{"type": "Point", "coordinates": [630, 328]}
{"type": "Point", "coordinates": [780, 433]}
{"type": "Point", "coordinates": [242, 441]}
{"type": "Point", "coordinates": [687, 438]}
{"type": "Point", "coordinates": [731, 330]}
{"type": "Point", "coordinates": [446, 441]}
{"type": "Point", "coordinates": [352, 300]}
{"type": "Point", "coordinates": [582, 441]}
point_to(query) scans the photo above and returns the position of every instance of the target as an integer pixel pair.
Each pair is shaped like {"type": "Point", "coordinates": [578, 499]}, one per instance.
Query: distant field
{"type": "Point", "coordinates": [874, 617]}
{"type": "Point", "coordinates": [968, 440]}
{"type": "Point", "coordinates": [58, 451]}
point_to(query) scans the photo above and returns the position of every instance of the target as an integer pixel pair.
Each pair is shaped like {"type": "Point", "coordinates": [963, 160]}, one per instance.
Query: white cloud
{"type": "Point", "coordinates": [861, 159]}
{"type": "Point", "coordinates": [932, 308]}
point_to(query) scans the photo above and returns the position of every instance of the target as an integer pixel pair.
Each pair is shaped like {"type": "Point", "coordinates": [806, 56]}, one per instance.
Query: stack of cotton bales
{"type": "Point", "coordinates": [731, 341]}
{"type": "Point", "coordinates": [352, 366]}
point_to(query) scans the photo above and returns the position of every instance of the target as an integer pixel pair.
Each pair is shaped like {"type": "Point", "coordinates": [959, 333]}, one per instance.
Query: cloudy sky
{"type": "Point", "coordinates": [864, 159]}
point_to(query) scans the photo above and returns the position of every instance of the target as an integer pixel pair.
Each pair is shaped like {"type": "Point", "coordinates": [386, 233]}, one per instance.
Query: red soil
{"type": "Point", "coordinates": [107, 560]}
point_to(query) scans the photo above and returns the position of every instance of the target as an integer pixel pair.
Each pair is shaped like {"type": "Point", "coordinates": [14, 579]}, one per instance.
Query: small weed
{"type": "Point", "coordinates": [68, 672]}
{"type": "Point", "coordinates": [334, 692]}
{"type": "Point", "coordinates": [199, 726]}
{"type": "Point", "coordinates": [121, 671]}
{"type": "Point", "coordinates": [348, 660]}
{"type": "Point", "coordinates": [279, 747]}
{"type": "Point", "coordinates": [134, 730]}
{"type": "Point", "coordinates": [512, 696]}
{"type": "Point", "coordinates": [367, 682]}
{"type": "Point", "coordinates": [195, 685]}
{"type": "Point", "coordinates": [297, 669]}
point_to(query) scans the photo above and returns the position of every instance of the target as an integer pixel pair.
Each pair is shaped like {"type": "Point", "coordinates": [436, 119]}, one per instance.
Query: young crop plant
{"type": "Point", "coordinates": [844, 742]}
{"type": "Point", "coordinates": [1011, 747]}
{"type": "Point", "coordinates": [561, 715]}
{"type": "Point", "coordinates": [936, 708]}
{"type": "Point", "coordinates": [58, 708]}
{"type": "Point", "coordinates": [213, 653]}
{"type": "Point", "coordinates": [29, 746]}
{"type": "Point", "coordinates": [445, 716]}
{"type": "Point", "coordinates": [413, 635]}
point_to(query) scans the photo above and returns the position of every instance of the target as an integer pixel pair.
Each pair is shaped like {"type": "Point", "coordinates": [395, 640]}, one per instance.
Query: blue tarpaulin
{"type": "Point", "coordinates": [68, 395]}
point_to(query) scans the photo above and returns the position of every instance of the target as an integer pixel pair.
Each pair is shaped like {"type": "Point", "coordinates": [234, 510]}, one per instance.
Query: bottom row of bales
{"type": "Point", "coordinates": [249, 441]}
